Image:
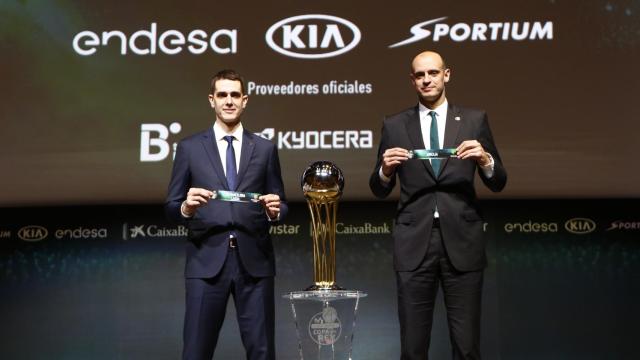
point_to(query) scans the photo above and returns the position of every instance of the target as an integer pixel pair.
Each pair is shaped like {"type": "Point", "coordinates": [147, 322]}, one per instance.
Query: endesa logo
{"type": "Point", "coordinates": [313, 36]}
{"type": "Point", "coordinates": [580, 226]}
{"type": "Point", "coordinates": [81, 233]}
{"type": "Point", "coordinates": [152, 41]}
{"type": "Point", "coordinates": [531, 227]}
{"type": "Point", "coordinates": [493, 31]}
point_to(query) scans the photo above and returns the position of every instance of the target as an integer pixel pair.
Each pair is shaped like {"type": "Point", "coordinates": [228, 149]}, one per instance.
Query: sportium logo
{"type": "Point", "coordinates": [580, 226]}
{"type": "Point", "coordinates": [620, 225]}
{"type": "Point", "coordinates": [313, 36]}
{"type": "Point", "coordinates": [438, 29]}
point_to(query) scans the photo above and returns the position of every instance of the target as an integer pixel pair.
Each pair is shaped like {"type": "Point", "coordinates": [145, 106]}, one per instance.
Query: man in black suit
{"type": "Point", "coordinates": [438, 232]}
{"type": "Point", "coordinates": [229, 250]}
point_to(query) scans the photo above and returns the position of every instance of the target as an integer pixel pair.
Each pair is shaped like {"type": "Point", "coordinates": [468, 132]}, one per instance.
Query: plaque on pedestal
{"type": "Point", "coordinates": [325, 322]}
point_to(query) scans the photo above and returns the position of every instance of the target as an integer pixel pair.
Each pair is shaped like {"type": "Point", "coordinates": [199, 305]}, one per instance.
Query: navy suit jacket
{"type": "Point", "coordinates": [452, 190]}
{"type": "Point", "coordinates": [197, 164]}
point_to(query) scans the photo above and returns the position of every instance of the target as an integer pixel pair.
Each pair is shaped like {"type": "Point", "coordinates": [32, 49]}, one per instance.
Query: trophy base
{"type": "Point", "coordinates": [316, 287]}
{"type": "Point", "coordinates": [325, 322]}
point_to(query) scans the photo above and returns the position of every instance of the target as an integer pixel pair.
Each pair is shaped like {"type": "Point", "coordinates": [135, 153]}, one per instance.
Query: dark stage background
{"type": "Point", "coordinates": [562, 282]}
{"type": "Point", "coordinates": [95, 95]}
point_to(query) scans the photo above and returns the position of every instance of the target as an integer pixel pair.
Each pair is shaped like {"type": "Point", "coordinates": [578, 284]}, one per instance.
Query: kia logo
{"type": "Point", "coordinates": [580, 226]}
{"type": "Point", "coordinates": [313, 36]}
{"type": "Point", "coordinates": [32, 233]}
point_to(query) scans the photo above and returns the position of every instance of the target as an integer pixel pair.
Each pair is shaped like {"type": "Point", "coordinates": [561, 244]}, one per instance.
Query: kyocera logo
{"type": "Point", "coordinates": [313, 36]}
{"type": "Point", "coordinates": [493, 31]}
{"type": "Point", "coordinates": [32, 233]}
{"type": "Point", "coordinates": [580, 226]}
{"type": "Point", "coordinates": [319, 139]}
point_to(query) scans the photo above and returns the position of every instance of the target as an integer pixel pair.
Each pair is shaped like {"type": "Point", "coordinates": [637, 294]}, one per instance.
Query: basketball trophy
{"type": "Point", "coordinates": [324, 313]}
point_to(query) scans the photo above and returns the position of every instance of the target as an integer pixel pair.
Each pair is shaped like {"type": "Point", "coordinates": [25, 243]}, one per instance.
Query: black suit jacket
{"type": "Point", "coordinates": [453, 190]}
{"type": "Point", "coordinates": [197, 164]}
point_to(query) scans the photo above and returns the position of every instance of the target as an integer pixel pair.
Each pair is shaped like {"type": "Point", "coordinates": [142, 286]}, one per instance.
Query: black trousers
{"type": "Point", "coordinates": [417, 292]}
{"type": "Point", "coordinates": [206, 304]}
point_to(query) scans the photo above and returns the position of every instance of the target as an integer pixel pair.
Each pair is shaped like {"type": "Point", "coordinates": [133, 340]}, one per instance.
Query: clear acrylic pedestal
{"type": "Point", "coordinates": [325, 322]}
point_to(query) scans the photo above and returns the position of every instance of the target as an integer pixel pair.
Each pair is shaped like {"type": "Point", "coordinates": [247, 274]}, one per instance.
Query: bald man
{"type": "Point", "coordinates": [438, 232]}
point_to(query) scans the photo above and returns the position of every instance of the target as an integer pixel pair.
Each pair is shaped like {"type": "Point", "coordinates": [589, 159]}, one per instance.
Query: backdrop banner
{"type": "Point", "coordinates": [96, 94]}
{"type": "Point", "coordinates": [106, 282]}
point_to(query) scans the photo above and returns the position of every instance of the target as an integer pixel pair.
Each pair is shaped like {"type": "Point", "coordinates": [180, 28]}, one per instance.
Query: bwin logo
{"type": "Point", "coordinates": [313, 36]}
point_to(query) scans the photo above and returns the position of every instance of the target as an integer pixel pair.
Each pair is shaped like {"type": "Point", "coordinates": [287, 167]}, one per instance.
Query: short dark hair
{"type": "Point", "coordinates": [227, 74]}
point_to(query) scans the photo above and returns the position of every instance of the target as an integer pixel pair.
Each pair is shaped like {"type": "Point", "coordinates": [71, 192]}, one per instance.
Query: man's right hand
{"type": "Point", "coordinates": [196, 197]}
{"type": "Point", "coordinates": [392, 158]}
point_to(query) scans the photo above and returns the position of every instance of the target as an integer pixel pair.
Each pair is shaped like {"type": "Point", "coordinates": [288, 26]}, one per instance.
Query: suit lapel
{"type": "Point", "coordinates": [245, 154]}
{"type": "Point", "coordinates": [211, 148]}
{"type": "Point", "coordinates": [412, 124]}
{"type": "Point", "coordinates": [451, 129]}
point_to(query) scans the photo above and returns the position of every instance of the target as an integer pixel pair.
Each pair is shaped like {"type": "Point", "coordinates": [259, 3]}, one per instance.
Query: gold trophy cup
{"type": "Point", "coordinates": [322, 183]}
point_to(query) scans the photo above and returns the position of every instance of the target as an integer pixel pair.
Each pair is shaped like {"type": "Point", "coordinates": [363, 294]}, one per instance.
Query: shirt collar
{"type": "Point", "coordinates": [439, 110]}
{"type": "Point", "coordinates": [220, 133]}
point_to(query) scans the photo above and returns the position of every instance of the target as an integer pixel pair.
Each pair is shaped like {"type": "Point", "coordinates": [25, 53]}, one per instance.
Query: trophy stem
{"type": "Point", "coordinates": [323, 225]}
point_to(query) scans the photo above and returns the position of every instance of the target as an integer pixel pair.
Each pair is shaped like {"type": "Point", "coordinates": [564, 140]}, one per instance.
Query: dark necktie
{"type": "Point", "coordinates": [435, 143]}
{"type": "Point", "coordinates": [232, 174]}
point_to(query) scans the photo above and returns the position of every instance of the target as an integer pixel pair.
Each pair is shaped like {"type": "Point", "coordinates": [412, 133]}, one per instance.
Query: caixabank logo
{"type": "Point", "coordinates": [313, 36]}
{"type": "Point", "coordinates": [152, 231]}
{"type": "Point", "coordinates": [440, 29]}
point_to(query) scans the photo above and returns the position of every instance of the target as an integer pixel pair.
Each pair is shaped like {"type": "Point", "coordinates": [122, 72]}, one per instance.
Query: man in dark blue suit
{"type": "Point", "coordinates": [229, 250]}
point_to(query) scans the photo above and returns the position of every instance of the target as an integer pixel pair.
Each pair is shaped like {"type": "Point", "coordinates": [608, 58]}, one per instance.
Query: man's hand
{"type": "Point", "coordinates": [271, 204]}
{"type": "Point", "coordinates": [196, 197]}
{"type": "Point", "coordinates": [472, 149]}
{"type": "Point", "coordinates": [392, 158]}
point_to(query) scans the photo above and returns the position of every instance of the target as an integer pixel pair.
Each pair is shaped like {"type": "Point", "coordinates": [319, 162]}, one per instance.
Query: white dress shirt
{"type": "Point", "coordinates": [222, 144]}
{"type": "Point", "coordinates": [425, 128]}
{"type": "Point", "coordinates": [425, 123]}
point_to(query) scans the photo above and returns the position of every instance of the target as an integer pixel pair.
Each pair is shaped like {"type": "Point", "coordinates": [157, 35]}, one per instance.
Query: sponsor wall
{"type": "Point", "coordinates": [106, 282]}
{"type": "Point", "coordinates": [97, 94]}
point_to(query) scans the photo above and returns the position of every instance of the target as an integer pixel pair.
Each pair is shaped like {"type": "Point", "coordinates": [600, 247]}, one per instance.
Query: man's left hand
{"type": "Point", "coordinates": [472, 149]}
{"type": "Point", "coordinates": [271, 204]}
